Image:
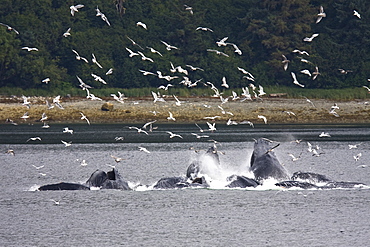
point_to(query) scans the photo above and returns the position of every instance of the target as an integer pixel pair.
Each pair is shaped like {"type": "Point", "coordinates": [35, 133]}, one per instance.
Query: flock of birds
{"type": "Point", "coordinates": [316, 150]}
{"type": "Point", "coordinates": [182, 73]}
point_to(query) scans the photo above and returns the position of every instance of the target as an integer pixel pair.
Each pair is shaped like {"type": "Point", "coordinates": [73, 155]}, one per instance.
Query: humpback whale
{"type": "Point", "coordinates": [99, 179]}
{"type": "Point", "coordinates": [241, 182]}
{"type": "Point", "coordinates": [180, 182]}
{"type": "Point", "coordinates": [205, 165]}
{"type": "Point", "coordinates": [207, 168]}
{"type": "Point", "coordinates": [109, 180]}
{"type": "Point", "coordinates": [322, 181]}
{"type": "Point", "coordinates": [264, 163]}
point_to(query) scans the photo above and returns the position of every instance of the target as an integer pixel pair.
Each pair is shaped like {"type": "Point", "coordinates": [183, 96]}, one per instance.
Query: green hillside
{"type": "Point", "coordinates": [263, 30]}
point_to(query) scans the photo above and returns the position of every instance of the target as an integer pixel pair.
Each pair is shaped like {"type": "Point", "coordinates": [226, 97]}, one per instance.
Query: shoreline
{"type": "Point", "coordinates": [196, 109]}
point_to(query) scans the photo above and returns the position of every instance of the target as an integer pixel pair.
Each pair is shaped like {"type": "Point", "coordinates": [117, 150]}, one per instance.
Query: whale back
{"type": "Point", "coordinates": [241, 182]}
{"type": "Point", "coordinates": [115, 181]}
{"type": "Point", "coordinates": [109, 180]}
{"type": "Point", "coordinates": [310, 177]}
{"type": "Point", "coordinates": [64, 186]}
{"type": "Point", "coordinates": [264, 163]}
{"type": "Point", "coordinates": [171, 183]}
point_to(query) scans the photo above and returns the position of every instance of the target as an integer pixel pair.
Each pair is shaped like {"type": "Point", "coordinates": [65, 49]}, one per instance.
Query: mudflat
{"type": "Point", "coordinates": [191, 109]}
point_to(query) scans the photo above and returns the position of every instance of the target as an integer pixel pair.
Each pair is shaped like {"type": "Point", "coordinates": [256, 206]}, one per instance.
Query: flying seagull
{"type": "Point", "coordinates": [301, 52]}
{"type": "Point", "coordinates": [56, 101]}
{"type": "Point", "coordinates": [38, 167]}
{"type": "Point", "coordinates": [222, 42]}
{"type": "Point", "coordinates": [55, 202]}
{"type": "Point", "coordinates": [43, 117]}
{"type": "Point", "coordinates": [355, 13]}
{"type": "Point", "coordinates": [138, 130]}
{"type": "Point", "coordinates": [189, 8]}
{"type": "Point", "coordinates": [67, 33]}
{"type": "Point", "coordinates": [25, 116]}
{"type": "Point", "coordinates": [295, 79]}
{"type": "Point", "coordinates": [98, 78]}
{"type": "Point", "coordinates": [218, 52]}
{"type": "Point", "coordinates": [109, 72]}
{"type": "Point", "coordinates": [350, 146]}
{"type": "Point", "coordinates": [116, 159]}
{"type": "Point", "coordinates": [132, 53]}
{"type": "Point", "coordinates": [143, 25]}
{"type": "Point", "coordinates": [146, 72]}
{"type": "Point", "coordinates": [315, 73]}
{"type": "Point", "coordinates": [142, 149]}
{"type": "Point", "coordinates": [357, 157]}
{"type": "Point", "coordinates": [224, 83]}
{"type": "Point", "coordinates": [172, 135]}
{"type": "Point", "coordinates": [306, 72]}
{"type": "Point", "coordinates": [10, 151]}
{"type": "Point", "coordinates": [294, 158]}
{"type": "Point", "coordinates": [211, 127]}
{"type": "Point", "coordinates": [285, 62]}
{"type": "Point", "coordinates": [78, 57]}
{"type": "Point", "coordinates": [169, 47]}
{"type": "Point", "coordinates": [9, 28]}
{"type": "Point", "coordinates": [133, 42]}
{"type": "Point", "coordinates": [102, 16]}
{"type": "Point", "coordinates": [96, 61]}
{"type": "Point", "coordinates": [309, 39]}
{"type": "Point", "coordinates": [30, 48]}
{"type": "Point", "coordinates": [199, 136]}
{"type": "Point", "coordinates": [66, 144]}
{"type": "Point", "coordinates": [320, 15]}
{"type": "Point", "coordinates": [74, 8]}
{"type": "Point", "coordinates": [165, 87]}
{"type": "Point", "coordinates": [46, 80]}
{"type": "Point", "coordinates": [83, 117]}
{"type": "Point", "coordinates": [157, 97]}
{"type": "Point", "coordinates": [34, 139]}
{"type": "Point", "coordinates": [150, 124]}
{"type": "Point", "coordinates": [309, 101]}
{"type": "Point", "coordinates": [263, 118]}
{"type": "Point", "coordinates": [67, 130]}
{"type": "Point", "coordinates": [154, 51]}
{"type": "Point", "coordinates": [143, 57]}
{"type": "Point", "coordinates": [324, 134]}
{"type": "Point", "coordinates": [171, 117]}
{"type": "Point", "coordinates": [204, 29]}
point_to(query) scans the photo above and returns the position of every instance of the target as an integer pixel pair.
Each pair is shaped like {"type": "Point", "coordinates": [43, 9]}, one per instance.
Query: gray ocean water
{"type": "Point", "coordinates": [181, 217]}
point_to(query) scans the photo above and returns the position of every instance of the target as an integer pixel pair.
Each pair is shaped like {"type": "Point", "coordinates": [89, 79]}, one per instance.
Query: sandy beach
{"type": "Point", "coordinates": [196, 109]}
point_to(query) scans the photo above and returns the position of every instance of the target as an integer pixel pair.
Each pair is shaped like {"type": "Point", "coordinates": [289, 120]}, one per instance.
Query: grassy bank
{"type": "Point", "coordinates": [291, 92]}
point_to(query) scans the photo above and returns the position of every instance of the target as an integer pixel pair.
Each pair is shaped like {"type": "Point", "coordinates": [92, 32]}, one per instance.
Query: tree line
{"type": "Point", "coordinates": [265, 31]}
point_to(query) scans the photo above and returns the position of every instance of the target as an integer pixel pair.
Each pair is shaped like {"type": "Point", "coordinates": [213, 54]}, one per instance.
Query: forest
{"type": "Point", "coordinates": [210, 39]}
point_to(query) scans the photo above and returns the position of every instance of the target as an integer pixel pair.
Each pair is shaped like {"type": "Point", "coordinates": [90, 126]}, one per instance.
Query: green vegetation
{"type": "Point", "coordinates": [264, 30]}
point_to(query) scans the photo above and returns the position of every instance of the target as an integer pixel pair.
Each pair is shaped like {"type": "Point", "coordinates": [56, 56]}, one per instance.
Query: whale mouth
{"type": "Point", "coordinates": [267, 140]}
{"type": "Point", "coordinates": [263, 138]}
{"type": "Point", "coordinates": [272, 149]}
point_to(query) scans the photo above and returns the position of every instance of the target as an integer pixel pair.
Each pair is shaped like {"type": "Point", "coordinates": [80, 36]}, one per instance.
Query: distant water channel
{"type": "Point", "coordinates": [181, 217]}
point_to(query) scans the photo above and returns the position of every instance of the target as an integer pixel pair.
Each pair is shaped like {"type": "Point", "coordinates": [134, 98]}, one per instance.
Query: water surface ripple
{"type": "Point", "coordinates": [182, 217]}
